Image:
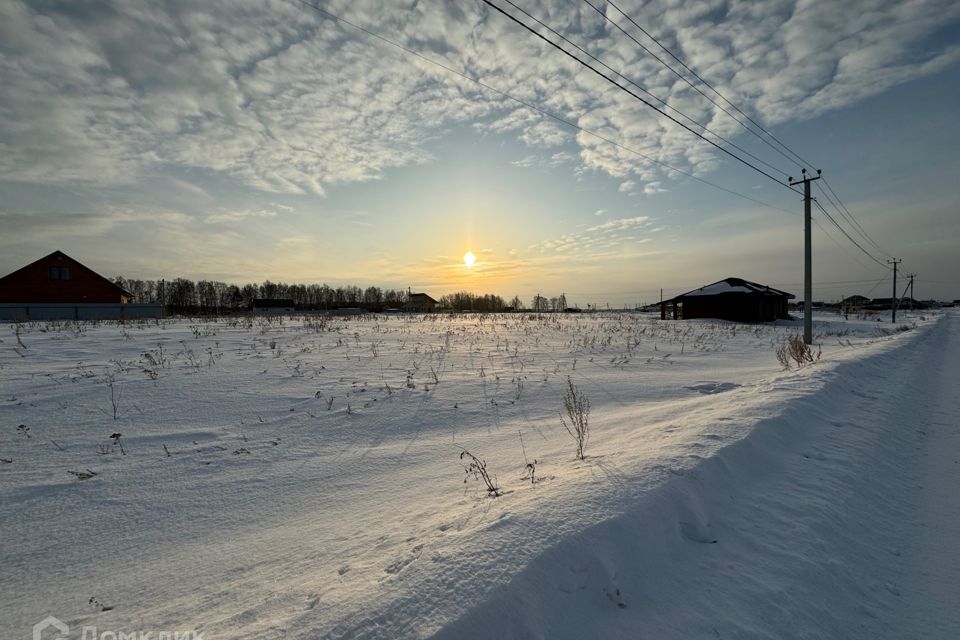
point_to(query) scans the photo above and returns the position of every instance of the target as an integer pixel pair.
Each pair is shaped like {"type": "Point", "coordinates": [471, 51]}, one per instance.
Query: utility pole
{"type": "Point", "coordinates": [893, 300]}
{"type": "Point", "coordinates": [807, 256]}
{"type": "Point", "coordinates": [911, 276]}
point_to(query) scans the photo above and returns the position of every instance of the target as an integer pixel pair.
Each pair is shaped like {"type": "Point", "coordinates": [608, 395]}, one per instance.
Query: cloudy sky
{"type": "Point", "coordinates": [250, 139]}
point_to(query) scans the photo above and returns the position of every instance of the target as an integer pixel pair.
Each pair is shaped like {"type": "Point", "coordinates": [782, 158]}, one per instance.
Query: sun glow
{"type": "Point", "coordinates": [469, 259]}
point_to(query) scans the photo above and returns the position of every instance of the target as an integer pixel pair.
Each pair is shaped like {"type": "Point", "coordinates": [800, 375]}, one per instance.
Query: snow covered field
{"type": "Point", "coordinates": [301, 478]}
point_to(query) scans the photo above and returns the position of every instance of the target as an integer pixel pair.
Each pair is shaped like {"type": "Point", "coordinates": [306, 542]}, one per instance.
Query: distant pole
{"type": "Point", "coordinates": [807, 256]}
{"type": "Point", "coordinates": [912, 275]}
{"type": "Point", "coordinates": [893, 300]}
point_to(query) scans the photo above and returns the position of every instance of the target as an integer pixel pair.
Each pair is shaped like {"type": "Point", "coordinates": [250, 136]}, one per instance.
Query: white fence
{"type": "Point", "coordinates": [79, 311]}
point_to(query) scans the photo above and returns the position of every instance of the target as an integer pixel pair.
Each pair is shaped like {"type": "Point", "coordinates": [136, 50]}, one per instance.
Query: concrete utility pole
{"type": "Point", "coordinates": [893, 300]}
{"type": "Point", "coordinates": [911, 276]}
{"type": "Point", "coordinates": [807, 256]}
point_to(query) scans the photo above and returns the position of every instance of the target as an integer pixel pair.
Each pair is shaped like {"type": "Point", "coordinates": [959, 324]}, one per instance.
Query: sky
{"type": "Point", "coordinates": [244, 140]}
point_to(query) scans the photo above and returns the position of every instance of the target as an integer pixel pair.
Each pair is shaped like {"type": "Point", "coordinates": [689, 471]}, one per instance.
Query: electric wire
{"type": "Point", "coordinates": [687, 80]}
{"type": "Point", "coordinates": [849, 237]}
{"type": "Point", "coordinates": [854, 221]}
{"type": "Point", "coordinates": [878, 283]}
{"type": "Point", "coordinates": [643, 89]}
{"type": "Point", "coordinates": [539, 110]}
{"type": "Point", "coordinates": [603, 138]}
{"type": "Point", "coordinates": [838, 243]}
{"type": "Point", "coordinates": [802, 163]}
{"type": "Point", "coordinates": [840, 207]}
{"type": "Point", "coordinates": [628, 91]}
{"type": "Point", "coordinates": [849, 221]}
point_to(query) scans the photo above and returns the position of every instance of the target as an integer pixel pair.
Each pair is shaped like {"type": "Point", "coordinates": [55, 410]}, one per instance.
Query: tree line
{"type": "Point", "coordinates": [182, 295]}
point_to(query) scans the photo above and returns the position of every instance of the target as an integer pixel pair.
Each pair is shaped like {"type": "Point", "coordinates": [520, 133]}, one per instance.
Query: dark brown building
{"type": "Point", "coordinates": [730, 299]}
{"type": "Point", "coordinates": [420, 302]}
{"type": "Point", "coordinates": [59, 279]}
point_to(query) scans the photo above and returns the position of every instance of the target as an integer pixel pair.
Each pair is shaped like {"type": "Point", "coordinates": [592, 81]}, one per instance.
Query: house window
{"type": "Point", "coordinates": [59, 273]}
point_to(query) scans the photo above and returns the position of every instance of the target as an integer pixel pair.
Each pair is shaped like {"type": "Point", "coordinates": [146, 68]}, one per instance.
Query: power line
{"type": "Point", "coordinates": [841, 208]}
{"type": "Point", "coordinates": [853, 221]}
{"type": "Point", "coordinates": [641, 88]}
{"type": "Point", "coordinates": [628, 91]}
{"type": "Point", "coordinates": [837, 242]}
{"type": "Point", "coordinates": [833, 282]}
{"type": "Point", "coordinates": [849, 237]}
{"type": "Point", "coordinates": [878, 283]}
{"type": "Point", "coordinates": [540, 110]}
{"type": "Point", "coordinates": [689, 83]}
{"type": "Point", "coordinates": [711, 87]}
{"type": "Point", "coordinates": [580, 128]}
{"type": "Point", "coordinates": [838, 209]}
{"type": "Point", "coordinates": [846, 217]}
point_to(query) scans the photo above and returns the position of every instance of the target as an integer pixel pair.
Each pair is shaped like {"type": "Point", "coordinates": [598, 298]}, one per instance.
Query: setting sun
{"type": "Point", "coordinates": [469, 259]}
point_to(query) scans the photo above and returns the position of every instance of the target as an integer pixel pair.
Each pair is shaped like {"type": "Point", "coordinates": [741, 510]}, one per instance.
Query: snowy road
{"type": "Point", "coordinates": [930, 606]}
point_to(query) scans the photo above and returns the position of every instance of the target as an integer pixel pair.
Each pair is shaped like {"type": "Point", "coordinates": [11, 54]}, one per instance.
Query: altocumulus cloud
{"type": "Point", "coordinates": [272, 94]}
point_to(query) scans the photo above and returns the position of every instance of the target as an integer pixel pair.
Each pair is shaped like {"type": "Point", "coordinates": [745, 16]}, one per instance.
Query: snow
{"type": "Point", "coordinates": [720, 287]}
{"type": "Point", "coordinates": [300, 478]}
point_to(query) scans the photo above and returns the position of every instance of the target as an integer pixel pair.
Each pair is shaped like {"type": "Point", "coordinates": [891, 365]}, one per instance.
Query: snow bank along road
{"type": "Point", "coordinates": [301, 479]}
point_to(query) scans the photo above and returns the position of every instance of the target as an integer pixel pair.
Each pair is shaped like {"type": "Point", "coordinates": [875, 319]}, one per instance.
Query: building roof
{"type": "Point", "coordinates": [420, 297]}
{"type": "Point", "coordinates": [733, 286]}
{"type": "Point", "coordinates": [61, 254]}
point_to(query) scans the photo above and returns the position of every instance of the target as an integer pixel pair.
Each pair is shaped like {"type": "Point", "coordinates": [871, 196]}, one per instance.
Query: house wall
{"type": "Point", "coordinates": [33, 285]}
{"type": "Point", "coordinates": [742, 308]}
{"type": "Point", "coordinates": [420, 305]}
{"type": "Point", "coordinates": [32, 312]}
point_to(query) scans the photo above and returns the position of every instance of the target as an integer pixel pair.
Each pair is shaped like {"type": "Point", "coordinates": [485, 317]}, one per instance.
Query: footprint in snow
{"type": "Point", "coordinates": [713, 387]}
{"type": "Point", "coordinates": [397, 566]}
{"type": "Point", "coordinates": [614, 595]}
{"type": "Point", "coordinates": [697, 532]}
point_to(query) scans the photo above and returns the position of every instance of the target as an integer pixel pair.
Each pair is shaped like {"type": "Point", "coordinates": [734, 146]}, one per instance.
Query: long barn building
{"type": "Point", "coordinates": [729, 299]}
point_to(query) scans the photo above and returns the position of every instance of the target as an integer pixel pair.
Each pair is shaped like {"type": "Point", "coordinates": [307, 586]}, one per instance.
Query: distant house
{"type": "Point", "coordinates": [854, 303]}
{"type": "Point", "coordinates": [420, 303]}
{"type": "Point", "coordinates": [906, 302]}
{"type": "Point", "coordinates": [730, 299]}
{"type": "Point", "coordinates": [59, 279]}
{"type": "Point", "coordinates": [272, 306]}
